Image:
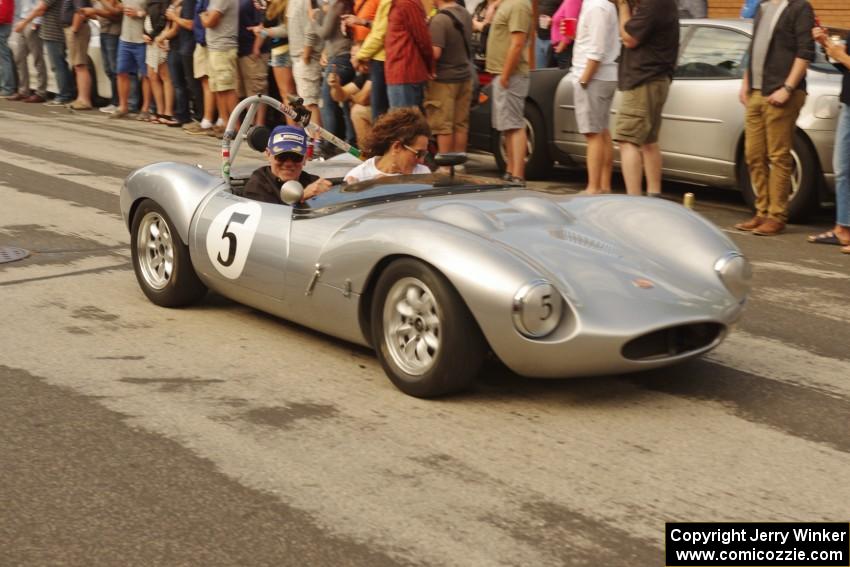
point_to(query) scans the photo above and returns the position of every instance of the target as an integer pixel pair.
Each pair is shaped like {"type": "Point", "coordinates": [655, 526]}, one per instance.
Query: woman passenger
{"type": "Point", "coordinates": [397, 145]}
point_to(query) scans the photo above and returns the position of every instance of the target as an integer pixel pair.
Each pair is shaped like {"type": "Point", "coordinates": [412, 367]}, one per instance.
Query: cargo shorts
{"type": "Point", "coordinates": [639, 116]}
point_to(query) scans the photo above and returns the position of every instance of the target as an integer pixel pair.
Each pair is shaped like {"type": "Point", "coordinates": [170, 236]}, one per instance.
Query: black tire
{"type": "Point", "coordinates": [154, 241]}
{"type": "Point", "coordinates": [804, 199]}
{"type": "Point", "coordinates": [436, 311]}
{"type": "Point", "coordinates": [538, 163]}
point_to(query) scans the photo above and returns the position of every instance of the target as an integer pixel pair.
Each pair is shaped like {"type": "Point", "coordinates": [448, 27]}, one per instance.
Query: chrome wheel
{"type": "Point", "coordinates": [796, 175]}
{"type": "Point", "coordinates": [411, 320]}
{"type": "Point", "coordinates": [529, 132]}
{"type": "Point", "coordinates": [155, 251]}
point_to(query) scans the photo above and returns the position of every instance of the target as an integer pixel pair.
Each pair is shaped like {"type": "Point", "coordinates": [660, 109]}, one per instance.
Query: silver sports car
{"type": "Point", "coordinates": [702, 138]}
{"type": "Point", "coordinates": [434, 271]}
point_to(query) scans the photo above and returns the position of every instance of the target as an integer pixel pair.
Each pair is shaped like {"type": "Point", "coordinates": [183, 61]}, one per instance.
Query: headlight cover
{"type": "Point", "coordinates": [537, 309]}
{"type": "Point", "coordinates": [736, 273]}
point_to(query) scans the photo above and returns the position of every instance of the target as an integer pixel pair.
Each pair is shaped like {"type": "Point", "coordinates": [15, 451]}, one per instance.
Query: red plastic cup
{"type": "Point", "coordinates": [568, 27]}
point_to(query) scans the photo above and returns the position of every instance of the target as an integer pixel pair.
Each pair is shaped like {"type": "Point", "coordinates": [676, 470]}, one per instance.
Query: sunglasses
{"type": "Point", "coordinates": [420, 154]}
{"type": "Point", "coordinates": [289, 156]}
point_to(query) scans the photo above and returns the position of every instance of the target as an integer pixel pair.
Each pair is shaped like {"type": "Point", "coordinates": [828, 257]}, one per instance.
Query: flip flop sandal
{"type": "Point", "coordinates": [827, 237]}
{"type": "Point", "coordinates": [168, 120]}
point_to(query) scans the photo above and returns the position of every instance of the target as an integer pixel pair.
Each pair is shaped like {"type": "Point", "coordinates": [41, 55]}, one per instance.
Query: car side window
{"type": "Point", "coordinates": [713, 53]}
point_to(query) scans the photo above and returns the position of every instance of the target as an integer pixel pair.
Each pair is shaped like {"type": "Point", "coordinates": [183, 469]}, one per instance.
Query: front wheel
{"type": "Point", "coordinates": [425, 337]}
{"type": "Point", "coordinates": [161, 260]}
{"type": "Point", "coordinates": [804, 180]}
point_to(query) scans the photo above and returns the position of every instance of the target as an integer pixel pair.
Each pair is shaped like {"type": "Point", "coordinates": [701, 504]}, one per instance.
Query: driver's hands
{"type": "Point", "coordinates": [315, 188]}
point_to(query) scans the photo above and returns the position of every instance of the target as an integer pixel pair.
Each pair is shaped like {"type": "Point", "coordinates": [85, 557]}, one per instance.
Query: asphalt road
{"type": "Point", "coordinates": [216, 435]}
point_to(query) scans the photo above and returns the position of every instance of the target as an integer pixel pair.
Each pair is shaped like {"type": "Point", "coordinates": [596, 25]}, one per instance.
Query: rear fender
{"type": "Point", "coordinates": [176, 187]}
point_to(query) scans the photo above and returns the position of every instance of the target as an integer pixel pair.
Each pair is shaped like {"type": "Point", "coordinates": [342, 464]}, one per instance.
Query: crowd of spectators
{"type": "Point", "coordinates": [187, 63]}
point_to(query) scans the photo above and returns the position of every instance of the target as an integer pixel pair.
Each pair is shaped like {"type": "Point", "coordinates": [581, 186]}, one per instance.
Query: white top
{"type": "Point", "coordinates": [369, 170]}
{"type": "Point", "coordinates": [597, 38]}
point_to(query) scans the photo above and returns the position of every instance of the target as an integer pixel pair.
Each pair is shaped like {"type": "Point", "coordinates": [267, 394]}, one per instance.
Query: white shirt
{"type": "Point", "coordinates": [369, 170]}
{"type": "Point", "coordinates": [597, 38]}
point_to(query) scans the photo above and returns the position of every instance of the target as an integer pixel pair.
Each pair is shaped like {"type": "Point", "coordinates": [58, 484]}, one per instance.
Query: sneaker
{"type": "Point", "coordinates": [194, 128]}
{"type": "Point", "coordinates": [118, 113]}
{"type": "Point", "coordinates": [56, 102]}
{"type": "Point", "coordinates": [34, 98]}
{"type": "Point", "coordinates": [216, 132]}
{"type": "Point", "coordinates": [108, 109]}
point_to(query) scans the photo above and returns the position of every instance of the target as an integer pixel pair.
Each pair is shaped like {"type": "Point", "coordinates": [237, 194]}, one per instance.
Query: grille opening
{"type": "Point", "coordinates": [671, 342]}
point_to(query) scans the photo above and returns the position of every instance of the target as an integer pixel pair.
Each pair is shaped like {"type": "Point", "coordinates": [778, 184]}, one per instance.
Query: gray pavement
{"type": "Point", "coordinates": [217, 435]}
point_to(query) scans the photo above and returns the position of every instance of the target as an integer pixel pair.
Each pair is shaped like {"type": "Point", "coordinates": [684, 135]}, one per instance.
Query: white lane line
{"type": "Point", "coordinates": [111, 185]}
{"type": "Point", "coordinates": [773, 359]}
{"type": "Point", "coordinates": [800, 270]}
{"type": "Point", "coordinates": [809, 301]}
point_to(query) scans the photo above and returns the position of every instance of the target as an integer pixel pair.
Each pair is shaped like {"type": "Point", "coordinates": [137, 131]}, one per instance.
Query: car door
{"type": "Point", "coordinates": [240, 247]}
{"type": "Point", "coordinates": [703, 120]}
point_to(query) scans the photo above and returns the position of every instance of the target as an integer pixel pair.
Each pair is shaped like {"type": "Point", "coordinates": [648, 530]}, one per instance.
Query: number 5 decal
{"type": "Point", "coordinates": [230, 235]}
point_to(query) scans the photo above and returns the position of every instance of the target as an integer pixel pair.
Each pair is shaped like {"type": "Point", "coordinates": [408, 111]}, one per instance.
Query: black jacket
{"type": "Point", "coordinates": [792, 38]}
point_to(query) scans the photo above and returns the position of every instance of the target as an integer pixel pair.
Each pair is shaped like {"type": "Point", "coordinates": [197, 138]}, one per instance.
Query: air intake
{"type": "Point", "coordinates": [671, 342]}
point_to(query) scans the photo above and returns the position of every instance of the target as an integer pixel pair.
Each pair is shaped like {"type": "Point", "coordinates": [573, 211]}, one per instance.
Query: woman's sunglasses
{"type": "Point", "coordinates": [420, 154]}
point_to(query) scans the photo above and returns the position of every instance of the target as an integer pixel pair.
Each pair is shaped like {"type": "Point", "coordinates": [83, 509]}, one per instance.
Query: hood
{"type": "Point", "coordinates": [593, 247]}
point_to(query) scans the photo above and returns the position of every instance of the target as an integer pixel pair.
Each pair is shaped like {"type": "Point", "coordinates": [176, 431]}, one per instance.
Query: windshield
{"type": "Point", "coordinates": [396, 188]}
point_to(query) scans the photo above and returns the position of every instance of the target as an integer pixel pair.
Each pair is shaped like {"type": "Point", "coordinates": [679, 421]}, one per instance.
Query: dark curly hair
{"type": "Point", "coordinates": [399, 124]}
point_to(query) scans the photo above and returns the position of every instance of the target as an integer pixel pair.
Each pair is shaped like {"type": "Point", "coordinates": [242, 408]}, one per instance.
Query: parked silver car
{"type": "Point", "coordinates": [702, 138]}
{"type": "Point", "coordinates": [433, 271]}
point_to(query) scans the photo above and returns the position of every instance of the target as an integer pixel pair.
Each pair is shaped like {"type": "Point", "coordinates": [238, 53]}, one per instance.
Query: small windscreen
{"type": "Point", "coordinates": [398, 187]}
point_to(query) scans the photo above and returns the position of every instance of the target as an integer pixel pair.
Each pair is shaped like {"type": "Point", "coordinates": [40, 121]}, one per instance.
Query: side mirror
{"type": "Point", "coordinates": [450, 159]}
{"type": "Point", "coordinates": [291, 192]}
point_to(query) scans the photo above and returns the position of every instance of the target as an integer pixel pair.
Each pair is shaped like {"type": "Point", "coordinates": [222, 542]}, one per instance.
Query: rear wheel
{"type": "Point", "coordinates": [424, 335]}
{"type": "Point", "coordinates": [804, 180]}
{"type": "Point", "coordinates": [161, 260]}
{"type": "Point", "coordinates": [538, 164]}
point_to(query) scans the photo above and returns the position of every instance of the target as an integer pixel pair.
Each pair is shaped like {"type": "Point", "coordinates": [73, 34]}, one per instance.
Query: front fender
{"type": "Point", "coordinates": [176, 187]}
{"type": "Point", "coordinates": [485, 273]}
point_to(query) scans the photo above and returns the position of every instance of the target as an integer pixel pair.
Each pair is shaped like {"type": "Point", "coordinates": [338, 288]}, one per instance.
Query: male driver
{"type": "Point", "coordinates": [650, 34]}
{"type": "Point", "coordinates": [286, 151]}
{"type": "Point", "coordinates": [774, 91]}
{"type": "Point", "coordinates": [506, 59]}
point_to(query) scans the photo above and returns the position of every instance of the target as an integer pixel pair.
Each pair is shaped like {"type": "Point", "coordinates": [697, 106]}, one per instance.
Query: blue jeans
{"type": "Point", "coordinates": [542, 53]}
{"type": "Point", "coordinates": [378, 96]}
{"type": "Point", "coordinates": [405, 94]}
{"type": "Point", "coordinates": [334, 113]}
{"type": "Point", "coordinates": [8, 85]}
{"type": "Point", "coordinates": [181, 88]}
{"type": "Point", "coordinates": [841, 163]}
{"type": "Point", "coordinates": [59, 64]}
{"type": "Point", "coordinates": [109, 49]}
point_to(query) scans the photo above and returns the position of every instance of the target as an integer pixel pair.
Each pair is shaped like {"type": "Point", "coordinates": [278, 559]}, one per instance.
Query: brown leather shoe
{"type": "Point", "coordinates": [751, 224]}
{"type": "Point", "coordinates": [34, 98]}
{"type": "Point", "coordinates": [770, 227]}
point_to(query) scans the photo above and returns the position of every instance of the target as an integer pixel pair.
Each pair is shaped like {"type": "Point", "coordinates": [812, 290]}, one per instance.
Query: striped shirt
{"type": "Point", "coordinates": [51, 26]}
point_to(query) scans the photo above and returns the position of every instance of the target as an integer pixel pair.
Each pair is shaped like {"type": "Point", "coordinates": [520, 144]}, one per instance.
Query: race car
{"type": "Point", "coordinates": [435, 271]}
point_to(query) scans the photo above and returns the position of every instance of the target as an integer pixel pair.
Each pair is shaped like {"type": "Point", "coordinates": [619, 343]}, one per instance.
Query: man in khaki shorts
{"type": "Point", "coordinates": [221, 19]}
{"type": "Point", "coordinates": [449, 95]}
{"type": "Point", "coordinates": [77, 36]}
{"type": "Point", "coordinates": [650, 35]}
